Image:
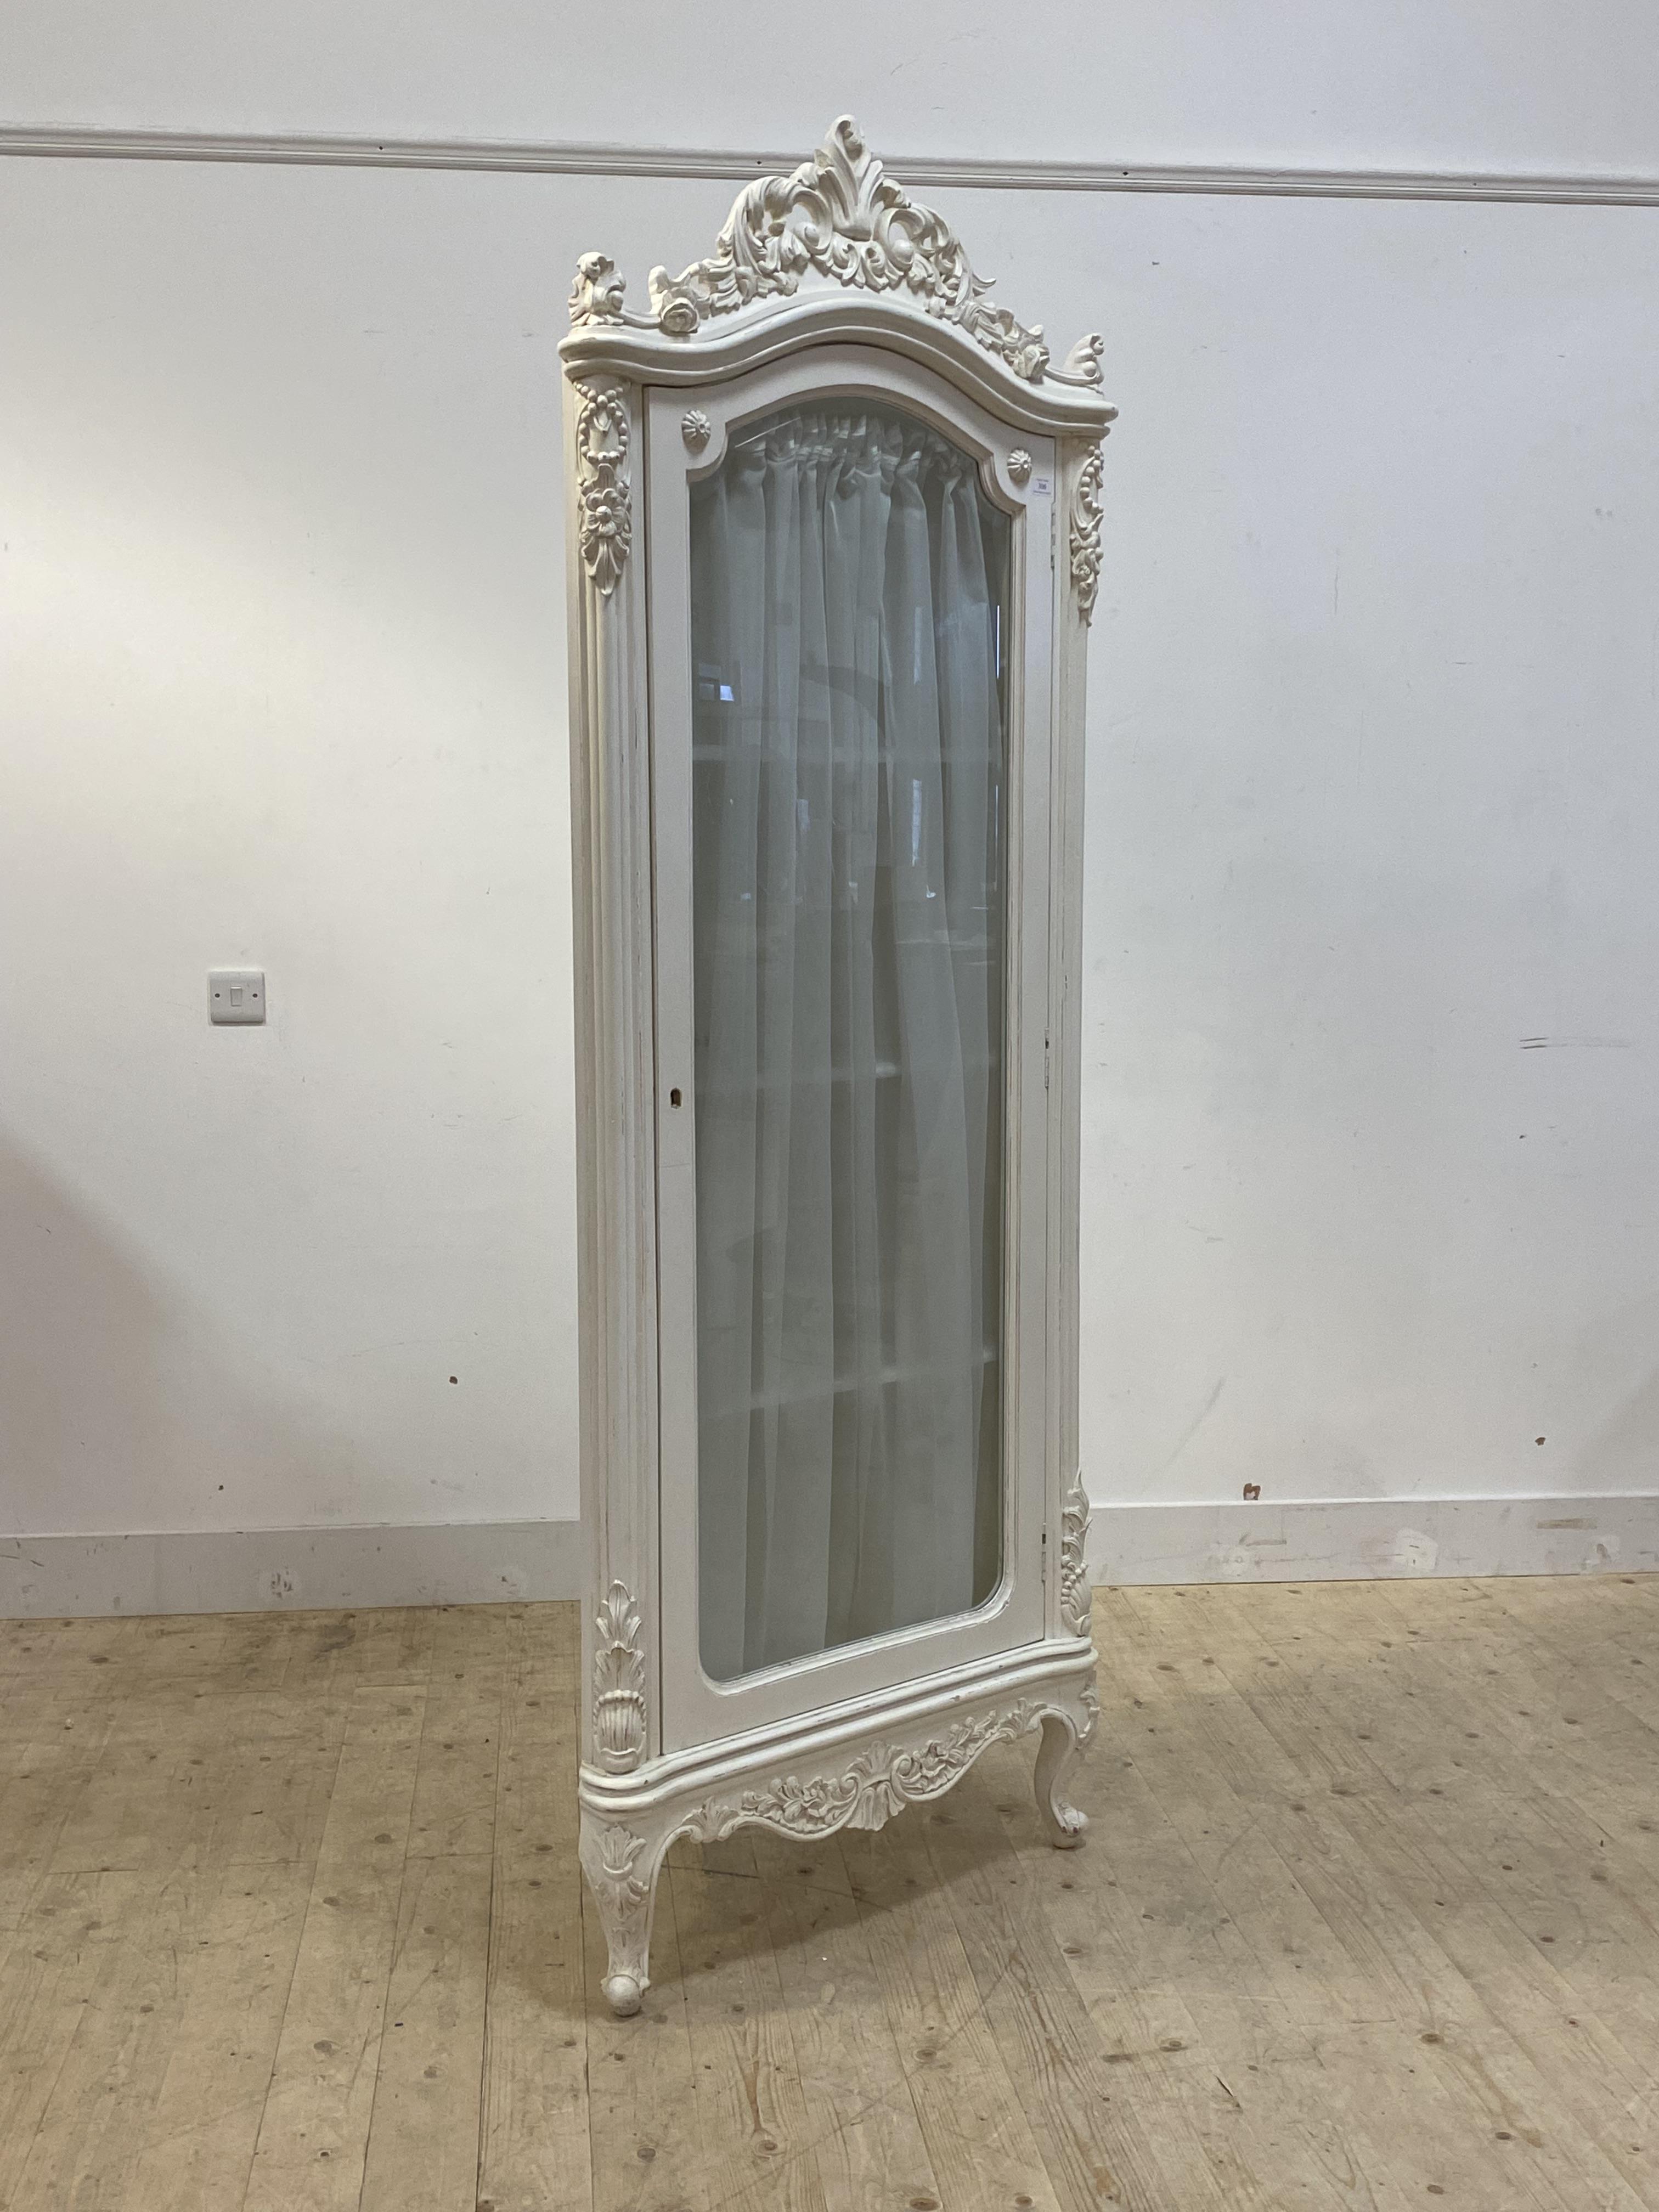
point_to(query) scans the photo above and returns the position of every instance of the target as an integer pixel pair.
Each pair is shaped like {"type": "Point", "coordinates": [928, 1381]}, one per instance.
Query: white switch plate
{"type": "Point", "coordinates": [236, 995]}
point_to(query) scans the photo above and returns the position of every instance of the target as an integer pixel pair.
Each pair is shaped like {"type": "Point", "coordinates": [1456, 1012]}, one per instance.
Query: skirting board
{"type": "Point", "coordinates": [1366, 1539]}
{"type": "Point", "coordinates": [1343, 1539]}
{"type": "Point", "coordinates": [289, 1569]}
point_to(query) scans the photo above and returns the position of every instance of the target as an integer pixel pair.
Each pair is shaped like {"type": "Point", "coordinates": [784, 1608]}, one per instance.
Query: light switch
{"type": "Point", "coordinates": [236, 995]}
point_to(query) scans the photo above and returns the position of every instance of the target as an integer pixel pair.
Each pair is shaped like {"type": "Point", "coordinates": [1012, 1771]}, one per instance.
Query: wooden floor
{"type": "Point", "coordinates": [289, 1918]}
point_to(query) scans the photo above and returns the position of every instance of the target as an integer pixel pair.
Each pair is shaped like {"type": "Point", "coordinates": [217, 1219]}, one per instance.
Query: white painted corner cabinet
{"type": "Point", "coordinates": [834, 547]}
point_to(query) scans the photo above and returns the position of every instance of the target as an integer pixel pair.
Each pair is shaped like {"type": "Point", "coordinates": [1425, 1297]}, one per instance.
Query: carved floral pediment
{"type": "Point", "coordinates": [841, 218]}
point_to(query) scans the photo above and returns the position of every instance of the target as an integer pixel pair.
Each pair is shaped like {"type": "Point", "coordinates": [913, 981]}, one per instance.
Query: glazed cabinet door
{"type": "Point", "coordinates": [851, 607]}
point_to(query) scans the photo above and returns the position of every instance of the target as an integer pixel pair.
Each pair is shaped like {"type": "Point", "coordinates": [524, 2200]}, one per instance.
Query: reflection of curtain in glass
{"type": "Point", "coordinates": [847, 577]}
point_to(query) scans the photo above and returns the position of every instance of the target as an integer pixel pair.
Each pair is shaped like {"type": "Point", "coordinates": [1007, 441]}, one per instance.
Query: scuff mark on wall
{"type": "Point", "coordinates": [1414, 1553]}
{"type": "Point", "coordinates": [1241, 1561]}
{"type": "Point", "coordinates": [1581, 1043]}
{"type": "Point", "coordinates": [1204, 1413]}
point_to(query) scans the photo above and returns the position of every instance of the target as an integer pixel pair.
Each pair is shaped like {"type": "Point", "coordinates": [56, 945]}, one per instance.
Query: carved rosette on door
{"type": "Point", "coordinates": [827, 763]}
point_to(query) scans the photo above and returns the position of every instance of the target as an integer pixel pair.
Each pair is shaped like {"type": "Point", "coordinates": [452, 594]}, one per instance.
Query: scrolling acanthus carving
{"type": "Point", "coordinates": [1087, 509]}
{"type": "Point", "coordinates": [621, 1870]}
{"type": "Point", "coordinates": [839, 216]}
{"type": "Point", "coordinates": [879, 1783]}
{"type": "Point", "coordinates": [595, 296]}
{"type": "Point", "coordinates": [611, 1868]}
{"type": "Point", "coordinates": [618, 1684]}
{"type": "Point", "coordinates": [605, 521]}
{"type": "Point", "coordinates": [1073, 1574]}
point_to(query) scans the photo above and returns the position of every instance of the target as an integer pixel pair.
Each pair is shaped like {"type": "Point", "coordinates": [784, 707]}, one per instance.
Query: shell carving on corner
{"type": "Point", "coordinates": [618, 1684]}
{"type": "Point", "coordinates": [842, 217]}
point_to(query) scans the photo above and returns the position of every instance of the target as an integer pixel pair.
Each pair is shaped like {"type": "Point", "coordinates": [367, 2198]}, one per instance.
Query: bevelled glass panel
{"type": "Point", "coordinates": [849, 621]}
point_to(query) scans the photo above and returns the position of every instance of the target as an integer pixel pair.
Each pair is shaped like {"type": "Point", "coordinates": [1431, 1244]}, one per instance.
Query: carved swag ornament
{"type": "Point", "coordinates": [605, 521]}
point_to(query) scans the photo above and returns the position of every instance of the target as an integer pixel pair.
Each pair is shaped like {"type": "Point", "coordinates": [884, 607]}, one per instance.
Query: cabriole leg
{"type": "Point", "coordinates": [622, 1869]}
{"type": "Point", "coordinates": [1064, 1825]}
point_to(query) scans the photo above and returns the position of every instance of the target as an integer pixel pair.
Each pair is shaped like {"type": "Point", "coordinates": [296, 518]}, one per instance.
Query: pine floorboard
{"type": "Point", "coordinates": [1368, 1916]}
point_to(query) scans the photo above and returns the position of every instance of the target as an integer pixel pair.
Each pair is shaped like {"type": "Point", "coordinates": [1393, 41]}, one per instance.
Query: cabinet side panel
{"type": "Point", "coordinates": [615, 1071]}
{"type": "Point", "coordinates": [1075, 510]}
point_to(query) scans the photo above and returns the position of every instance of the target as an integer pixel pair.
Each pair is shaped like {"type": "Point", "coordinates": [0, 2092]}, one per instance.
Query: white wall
{"type": "Point", "coordinates": [1370, 1104]}
{"type": "Point", "coordinates": [1488, 84]}
{"type": "Point", "coordinates": [1372, 800]}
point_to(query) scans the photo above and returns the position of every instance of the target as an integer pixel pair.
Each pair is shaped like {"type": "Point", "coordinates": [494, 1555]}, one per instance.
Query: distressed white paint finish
{"type": "Point", "coordinates": [826, 282]}
{"type": "Point", "coordinates": [847, 1765]}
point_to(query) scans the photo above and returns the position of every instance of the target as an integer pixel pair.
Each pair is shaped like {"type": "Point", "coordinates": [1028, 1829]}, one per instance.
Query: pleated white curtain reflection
{"type": "Point", "coordinates": [848, 583]}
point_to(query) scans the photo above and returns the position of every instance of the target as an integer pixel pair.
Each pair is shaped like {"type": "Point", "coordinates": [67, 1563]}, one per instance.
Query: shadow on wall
{"type": "Point", "coordinates": [121, 1406]}
{"type": "Point", "coordinates": [1622, 1452]}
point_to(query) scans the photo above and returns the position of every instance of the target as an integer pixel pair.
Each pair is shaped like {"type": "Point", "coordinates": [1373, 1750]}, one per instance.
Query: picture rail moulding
{"type": "Point", "coordinates": [557, 157]}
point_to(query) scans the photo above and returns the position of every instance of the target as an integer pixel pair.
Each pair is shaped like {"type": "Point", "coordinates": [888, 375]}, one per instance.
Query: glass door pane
{"type": "Point", "coordinates": [849, 614]}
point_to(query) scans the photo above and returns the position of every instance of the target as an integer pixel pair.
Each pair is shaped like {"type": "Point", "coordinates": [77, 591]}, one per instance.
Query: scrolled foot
{"type": "Point", "coordinates": [1067, 1827]}
{"type": "Point", "coordinates": [1064, 1825]}
{"type": "Point", "coordinates": [622, 1868]}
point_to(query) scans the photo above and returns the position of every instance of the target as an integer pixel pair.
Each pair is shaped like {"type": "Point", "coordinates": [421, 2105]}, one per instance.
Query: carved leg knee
{"type": "Point", "coordinates": [621, 1870]}
{"type": "Point", "coordinates": [1064, 1825]}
